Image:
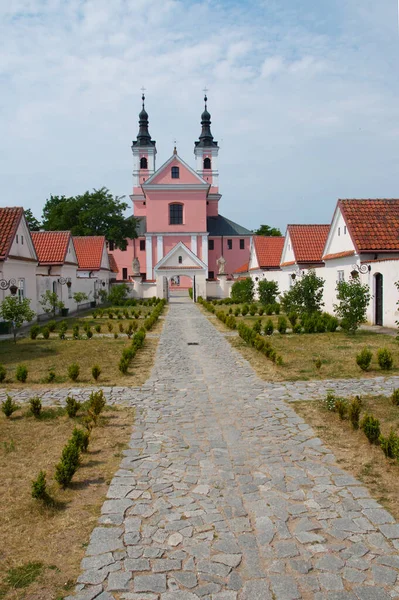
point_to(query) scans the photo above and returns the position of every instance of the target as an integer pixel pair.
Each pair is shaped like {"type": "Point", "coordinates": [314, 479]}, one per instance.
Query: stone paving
{"type": "Point", "coordinates": [226, 494]}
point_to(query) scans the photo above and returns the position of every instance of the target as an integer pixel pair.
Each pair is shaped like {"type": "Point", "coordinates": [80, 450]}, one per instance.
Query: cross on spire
{"type": "Point", "coordinates": [205, 90]}
{"type": "Point", "coordinates": [142, 95]}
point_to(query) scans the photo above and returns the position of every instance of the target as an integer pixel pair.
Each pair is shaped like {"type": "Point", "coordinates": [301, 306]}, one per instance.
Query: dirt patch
{"type": "Point", "coordinates": [53, 537]}
{"type": "Point", "coordinates": [352, 449]}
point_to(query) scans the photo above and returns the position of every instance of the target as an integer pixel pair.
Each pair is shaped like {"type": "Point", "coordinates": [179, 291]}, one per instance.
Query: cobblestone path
{"type": "Point", "coordinates": [226, 494]}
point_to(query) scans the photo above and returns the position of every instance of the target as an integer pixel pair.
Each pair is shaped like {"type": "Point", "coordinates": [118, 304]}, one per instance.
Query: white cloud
{"type": "Point", "coordinates": [303, 102]}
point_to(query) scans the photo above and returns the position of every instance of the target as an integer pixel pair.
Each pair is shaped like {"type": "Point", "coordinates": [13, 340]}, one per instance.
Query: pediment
{"type": "Point", "coordinates": [188, 259]}
{"type": "Point", "coordinates": [187, 176]}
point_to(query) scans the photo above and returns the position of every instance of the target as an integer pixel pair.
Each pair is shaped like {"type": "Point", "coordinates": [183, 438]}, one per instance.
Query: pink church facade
{"type": "Point", "coordinates": [176, 208]}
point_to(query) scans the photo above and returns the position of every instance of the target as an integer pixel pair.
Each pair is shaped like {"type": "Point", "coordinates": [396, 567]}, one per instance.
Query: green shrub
{"type": "Point", "coordinates": [35, 406]}
{"type": "Point", "coordinates": [8, 406]}
{"type": "Point", "coordinates": [329, 401]}
{"type": "Point", "coordinates": [123, 366]}
{"type": "Point", "coordinates": [385, 359]}
{"type": "Point", "coordinates": [46, 333]}
{"type": "Point", "coordinates": [363, 359]}
{"type": "Point", "coordinates": [97, 402]}
{"type": "Point", "coordinates": [72, 407]}
{"type": "Point", "coordinates": [116, 336]}
{"type": "Point", "coordinates": [21, 373]}
{"type": "Point", "coordinates": [231, 322]}
{"type": "Point", "coordinates": [243, 290]}
{"type": "Point", "coordinates": [81, 438]}
{"type": "Point", "coordinates": [354, 410]}
{"type": "Point", "coordinates": [332, 324]}
{"type": "Point", "coordinates": [66, 468]}
{"type": "Point", "coordinates": [121, 328]}
{"type": "Point", "coordinates": [51, 376]}
{"type": "Point", "coordinates": [276, 308]}
{"type": "Point", "coordinates": [63, 325]}
{"type": "Point", "coordinates": [73, 371]}
{"type": "Point", "coordinates": [282, 325]}
{"type": "Point", "coordinates": [341, 407]}
{"type": "Point", "coordinates": [110, 327]}
{"type": "Point", "coordinates": [245, 310]}
{"type": "Point", "coordinates": [52, 325]}
{"type": "Point", "coordinates": [96, 372]}
{"type": "Point", "coordinates": [395, 397]}
{"type": "Point", "coordinates": [309, 323]}
{"type": "Point", "coordinates": [89, 334]}
{"type": "Point", "coordinates": [257, 326]}
{"type": "Point", "coordinates": [97, 328]}
{"type": "Point", "coordinates": [34, 332]}
{"type": "Point", "coordinates": [269, 327]}
{"type": "Point", "coordinates": [297, 328]}
{"type": "Point", "coordinates": [237, 311]}
{"type": "Point", "coordinates": [317, 363]}
{"type": "Point", "coordinates": [39, 487]}
{"type": "Point", "coordinates": [390, 445]}
{"type": "Point", "coordinates": [269, 309]}
{"type": "Point", "coordinates": [293, 318]}
{"type": "Point", "coordinates": [253, 310]}
{"type": "Point", "coordinates": [110, 314]}
{"type": "Point", "coordinates": [279, 360]}
{"type": "Point", "coordinates": [75, 332]}
{"type": "Point", "coordinates": [3, 373]}
{"type": "Point", "coordinates": [371, 428]}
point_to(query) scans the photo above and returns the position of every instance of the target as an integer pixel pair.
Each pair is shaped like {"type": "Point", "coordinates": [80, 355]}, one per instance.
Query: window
{"type": "Point", "coordinates": [341, 276]}
{"type": "Point", "coordinates": [69, 291]}
{"type": "Point", "coordinates": [16, 238]}
{"type": "Point", "coordinates": [180, 260]}
{"type": "Point", "coordinates": [22, 239]}
{"type": "Point", "coordinates": [211, 245]}
{"type": "Point", "coordinates": [242, 244]}
{"type": "Point", "coordinates": [143, 163]}
{"type": "Point", "coordinates": [344, 229]}
{"type": "Point", "coordinates": [207, 163]}
{"type": "Point", "coordinates": [176, 214]}
{"type": "Point", "coordinates": [175, 173]}
{"type": "Point", "coordinates": [142, 245]}
{"type": "Point", "coordinates": [111, 245]}
{"type": "Point", "coordinates": [339, 230]}
{"type": "Point", "coordinates": [230, 244]}
{"type": "Point", "coordinates": [124, 274]}
{"type": "Point", "coordinates": [211, 275]}
{"type": "Point", "coordinates": [21, 289]}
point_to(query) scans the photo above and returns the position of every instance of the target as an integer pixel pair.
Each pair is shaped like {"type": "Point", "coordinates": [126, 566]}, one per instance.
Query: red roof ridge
{"type": "Point", "coordinates": [373, 224]}
{"type": "Point", "coordinates": [339, 255]}
{"type": "Point", "coordinates": [269, 250]}
{"type": "Point", "coordinates": [89, 251]}
{"type": "Point", "coordinates": [51, 246]}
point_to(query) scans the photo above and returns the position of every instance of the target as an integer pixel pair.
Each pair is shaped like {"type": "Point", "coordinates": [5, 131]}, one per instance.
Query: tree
{"type": "Point", "coordinates": [306, 295]}
{"type": "Point", "coordinates": [243, 291]}
{"type": "Point", "coordinates": [268, 291]}
{"type": "Point", "coordinates": [92, 213]}
{"type": "Point", "coordinates": [17, 311]}
{"type": "Point", "coordinates": [33, 223]}
{"type": "Point", "coordinates": [80, 297]}
{"type": "Point", "coordinates": [49, 302]}
{"type": "Point", "coordinates": [118, 294]}
{"type": "Point", "coordinates": [353, 299]}
{"type": "Point", "coordinates": [266, 230]}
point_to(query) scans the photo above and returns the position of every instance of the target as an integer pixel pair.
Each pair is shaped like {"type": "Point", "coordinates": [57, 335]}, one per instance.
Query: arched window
{"type": "Point", "coordinates": [180, 260]}
{"type": "Point", "coordinates": [175, 214]}
{"type": "Point", "coordinates": [143, 163]}
{"type": "Point", "coordinates": [175, 173]}
{"type": "Point", "coordinates": [207, 163]}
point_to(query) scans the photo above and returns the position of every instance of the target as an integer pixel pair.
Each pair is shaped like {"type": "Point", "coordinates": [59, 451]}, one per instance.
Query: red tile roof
{"type": "Point", "coordinates": [308, 242]}
{"type": "Point", "coordinates": [339, 255]}
{"type": "Point", "coordinates": [372, 224]}
{"type": "Point", "coordinates": [243, 268]}
{"type": "Point", "coordinates": [9, 221]}
{"type": "Point", "coordinates": [51, 246]}
{"type": "Point", "coordinates": [89, 251]}
{"type": "Point", "coordinates": [268, 250]}
{"type": "Point", "coordinates": [112, 263]}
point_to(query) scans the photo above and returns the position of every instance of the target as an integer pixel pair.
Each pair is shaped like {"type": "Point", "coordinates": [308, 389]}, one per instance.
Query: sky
{"type": "Point", "coordinates": [303, 96]}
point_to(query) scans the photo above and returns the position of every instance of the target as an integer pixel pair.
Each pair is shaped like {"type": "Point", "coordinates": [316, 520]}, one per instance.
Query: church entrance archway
{"type": "Point", "coordinates": [378, 299]}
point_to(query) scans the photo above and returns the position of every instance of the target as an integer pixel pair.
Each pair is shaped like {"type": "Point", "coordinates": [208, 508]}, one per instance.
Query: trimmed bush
{"type": "Point", "coordinates": [269, 309]}
{"type": "Point", "coordinates": [35, 404]}
{"type": "Point", "coordinates": [354, 410]}
{"type": "Point", "coordinates": [395, 397]}
{"type": "Point", "coordinates": [51, 376]}
{"type": "Point", "coordinates": [51, 325]}
{"type": "Point", "coordinates": [66, 468]}
{"type": "Point", "coordinates": [96, 402]}
{"type": "Point", "coordinates": [81, 438]}
{"type": "Point", "coordinates": [116, 336]}
{"type": "Point", "coordinates": [293, 318]}
{"type": "Point", "coordinates": [329, 401]}
{"type": "Point", "coordinates": [46, 333]}
{"type": "Point", "coordinates": [317, 363]}
{"type": "Point", "coordinates": [21, 373]}
{"type": "Point", "coordinates": [237, 311]}
{"type": "Point", "coordinates": [123, 365]}
{"type": "Point", "coordinates": [121, 328]}
{"type": "Point", "coordinates": [282, 325]}
{"type": "Point", "coordinates": [97, 328]}
{"type": "Point", "coordinates": [341, 407]}
{"type": "Point", "coordinates": [75, 332]}
{"type": "Point", "coordinates": [261, 311]}
{"type": "Point", "coordinates": [34, 332]}
{"type": "Point", "coordinates": [73, 371]}
{"type": "Point", "coordinates": [96, 372]}
{"type": "Point", "coordinates": [8, 406]}
{"type": "Point", "coordinates": [257, 326]}
{"type": "Point", "coordinates": [245, 310]}
{"type": "Point", "coordinates": [110, 327]}
{"type": "Point", "coordinates": [385, 359]}
{"type": "Point", "coordinates": [3, 373]}
{"type": "Point", "coordinates": [72, 407]}
{"type": "Point", "coordinates": [363, 359]}
{"type": "Point", "coordinates": [297, 328]}
{"type": "Point", "coordinates": [390, 445]}
{"type": "Point", "coordinates": [269, 327]}
{"type": "Point", "coordinates": [371, 428]}
{"type": "Point", "coordinates": [39, 487]}
{"type": "Point", "coordinates": [253, 310]}
{"type": "Point", "coordinates": [89, 334]}
{"type": "Point", "coordinates": [276, 308]}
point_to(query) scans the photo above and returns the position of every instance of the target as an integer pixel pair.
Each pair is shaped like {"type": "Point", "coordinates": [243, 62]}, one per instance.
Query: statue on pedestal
{"type": "Point", "coordinates": [136, 267]}
{"type": "Point", "coordinates": [221, 262]}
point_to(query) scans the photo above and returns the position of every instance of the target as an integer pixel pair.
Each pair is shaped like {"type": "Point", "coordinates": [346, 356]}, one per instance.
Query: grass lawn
{"type": "Point", "coordinates": [337, 352]}
{"type": "Point", "coordinates": [41, 355]}
{"type": "Point", "coordinates": [352, 449]}
{"type": "Point", "coordinates": [46, 544]}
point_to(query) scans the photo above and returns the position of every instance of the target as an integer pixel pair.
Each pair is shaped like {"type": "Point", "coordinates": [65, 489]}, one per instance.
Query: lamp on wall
{"type": "Point", "coordinates": [65, 281]}
{"type": "Point", "coordinates": [363, 269]}
{"type": "Point", "coordinates": [11, 285]}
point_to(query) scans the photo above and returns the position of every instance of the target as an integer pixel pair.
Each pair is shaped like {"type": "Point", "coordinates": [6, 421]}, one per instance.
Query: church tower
{"type": "Point", "coordinates": [144, 152]}
{"type": "Point", "coordinates": [206, 152]}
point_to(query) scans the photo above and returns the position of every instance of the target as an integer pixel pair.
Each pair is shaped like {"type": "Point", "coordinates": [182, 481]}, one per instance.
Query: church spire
{"type": "Point", "coordinates": [206, 138]}
{"type": "Point", "coordinates": [143, 136]}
